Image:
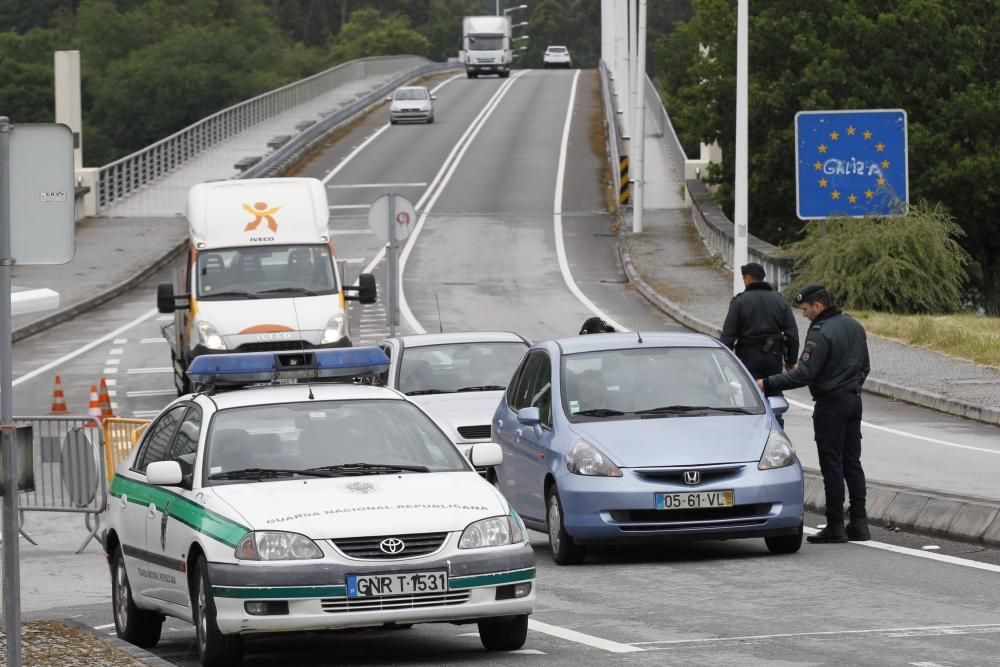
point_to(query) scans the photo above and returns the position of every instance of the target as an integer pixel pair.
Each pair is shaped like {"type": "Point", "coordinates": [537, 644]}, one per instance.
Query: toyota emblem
{"type": "Point", "coordinates": [391, 545]}
{"type": "Point", "coordinates": [692, 477]}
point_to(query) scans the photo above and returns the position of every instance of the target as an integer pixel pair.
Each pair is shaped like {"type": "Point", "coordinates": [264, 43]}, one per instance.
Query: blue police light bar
{"type": "Point", "coordinates": [259, 367]}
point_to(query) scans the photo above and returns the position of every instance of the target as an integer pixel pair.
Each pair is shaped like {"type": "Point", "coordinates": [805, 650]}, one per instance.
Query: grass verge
{"type": "Point", "coordinates": [967, 337]}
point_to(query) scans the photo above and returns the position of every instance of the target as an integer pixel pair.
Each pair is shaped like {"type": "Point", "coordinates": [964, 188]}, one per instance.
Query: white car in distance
{"type": "Point", "coordinates": [557, 56]}
{"type": "Point", "coordinates": [411, 104]}
{"type": "Point", "coordinates": [457, 377]}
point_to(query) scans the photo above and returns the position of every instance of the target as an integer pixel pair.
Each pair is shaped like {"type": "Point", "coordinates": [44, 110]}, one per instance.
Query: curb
{"type": "Point", "coordinates": [967, 519]}
{"type": "Point", "coordinates": [918, 397]}
{"type": "Point", "coordinates": [142, 655]}
{"type": "Point", "coordinates": [77, 309]}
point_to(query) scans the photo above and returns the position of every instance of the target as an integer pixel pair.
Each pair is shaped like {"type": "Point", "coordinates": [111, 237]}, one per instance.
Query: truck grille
{"type": "Point", "coordinates": [475, 432]}
{"type": "Point", "coordinates": [275, 346]}
{"type": "Point", "coordinates": [415, 601]}
{"type": "Point", "coordinates": [367, 548]}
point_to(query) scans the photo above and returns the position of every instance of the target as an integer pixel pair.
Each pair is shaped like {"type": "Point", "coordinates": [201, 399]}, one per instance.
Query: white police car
{"type": "Point", "coordinates": [309, 506]}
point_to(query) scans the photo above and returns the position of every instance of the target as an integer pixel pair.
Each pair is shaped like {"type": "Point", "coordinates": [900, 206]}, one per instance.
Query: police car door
{"type": "Point", "coordinates": [167, 538]}
{"type": "Point", "coordinates": [138, 500]}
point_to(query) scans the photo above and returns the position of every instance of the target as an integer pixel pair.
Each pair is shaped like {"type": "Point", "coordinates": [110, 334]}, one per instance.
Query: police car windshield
{"type": "Point", "coordinates": [350, 437]}
{"type": "Point", "coordinates": [265, 272]}
{"type": "Point", "coordinates": [443, 369]}
{"type": "Point", "coordinates": [653, 383]}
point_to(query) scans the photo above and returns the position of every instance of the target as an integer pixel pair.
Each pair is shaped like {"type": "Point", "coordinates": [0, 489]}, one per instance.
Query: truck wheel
{"type": "Point", "coordinates": [504, 635]}
{"type": "Point", "coordinates": [504, 75]}
{"type": "Point", "coordinates": [214, 648]}
{"type": "Point", "coordinates": [134, 625]}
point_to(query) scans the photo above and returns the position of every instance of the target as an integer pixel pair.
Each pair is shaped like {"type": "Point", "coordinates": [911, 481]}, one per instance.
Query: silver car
{"type": "Point", "coordinates": [411, 104]}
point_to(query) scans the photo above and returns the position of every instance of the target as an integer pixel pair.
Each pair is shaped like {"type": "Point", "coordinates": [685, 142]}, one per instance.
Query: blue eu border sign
{"type": "Point", "coordinates": [851, 163]}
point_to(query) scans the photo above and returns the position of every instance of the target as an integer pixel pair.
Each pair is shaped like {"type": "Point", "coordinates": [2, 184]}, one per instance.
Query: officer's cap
{"type": "Point", "coordinates": [811, 293]}
{"type": "Point", "coordinates": [596, 325]}
{"type": "Point", "coordinates": [753, 269]}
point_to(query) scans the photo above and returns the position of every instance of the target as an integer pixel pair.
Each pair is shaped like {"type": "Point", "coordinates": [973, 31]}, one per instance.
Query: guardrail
{"type": "Point", "coordinates": [122, 177]}
{"type": "Point", "coordinates": [668, 137]}
{"type": "Point", "coordinates": [68, 471]}
{"type": "Point", "coordinates": [611, 123]}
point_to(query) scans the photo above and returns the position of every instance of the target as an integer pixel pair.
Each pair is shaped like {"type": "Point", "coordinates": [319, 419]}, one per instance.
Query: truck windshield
{"type": "Point", "coordinates": [265, 272]}
{"type": "Point", "coordinates": [485, 42]}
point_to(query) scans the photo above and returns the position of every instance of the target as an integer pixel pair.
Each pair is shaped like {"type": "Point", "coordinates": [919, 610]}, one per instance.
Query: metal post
{"type": "Point", "coordinates": [740, 213]}
{"type": "Point", "coordinates": [639, 149]}
{"type": "Point", "coordinates": [11, 568]}
{"type": "Point", "coordinates": [392, 311]}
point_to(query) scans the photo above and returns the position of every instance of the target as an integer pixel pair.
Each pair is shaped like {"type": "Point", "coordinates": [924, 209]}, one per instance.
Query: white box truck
{"type": "Point", "coordinates": [486, 45]}
{"type": "Point", "coordinates": [260, 273]}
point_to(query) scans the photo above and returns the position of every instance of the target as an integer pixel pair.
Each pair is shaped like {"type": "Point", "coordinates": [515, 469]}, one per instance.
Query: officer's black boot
{"type": "Point", "coordinates": [857, 527]}
{"type": "Point", "coordinates": [833, 532]}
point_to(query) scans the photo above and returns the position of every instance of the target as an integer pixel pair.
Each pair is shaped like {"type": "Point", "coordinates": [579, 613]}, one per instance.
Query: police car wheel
{"type": "Point", "coordinates": [784, 544]}
{"type": "Point", "coordinates": [564, 550]}
{"type": "Point", "coordinates": [506, 635]}
{"type": "Point", "coordinates": [134, 625]}
{"type": "Point", "coordinates": [214, 648]}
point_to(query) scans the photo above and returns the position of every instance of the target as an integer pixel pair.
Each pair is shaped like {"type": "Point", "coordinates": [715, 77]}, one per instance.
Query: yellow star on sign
{"type": "Point", "coordinates": [880, 181]}
{"type": "Point", "coordinates": [867, 135]}
{"type": "Point", "coordinates": [869, 194]}
{"type": "Point", "coordinates": [822, 148]}
{"type": "Point", "coordinates": [851, 130]}
{"type": "Point", "coordinates": [834, 136]}
{"type": "Point", "coordinates": [817, 165]}
{"type": "Point", "coordinates": [885, 164]}
{"type": "Point", "coordinates": [835, 194]}
{"type": "Point", "coordinates": [879, 147]}
{"type": "Point", "coordinates": [852, 198]}
{"type": "Point", "coordinates": [822, 182]}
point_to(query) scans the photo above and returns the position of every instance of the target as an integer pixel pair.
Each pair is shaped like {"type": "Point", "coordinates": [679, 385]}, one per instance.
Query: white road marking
{"type": "Point", "coordinates": [165, 318]}
{"type": "Point", "coordinates": [528, 651]}
{"type": "Point", "coordinates": [147, 341]}
{"type": "Point", "coordinates": [111, 392]}
{"type": "Point", "coordinates": [110, 370]}
{"type": "Point", "coordinates": [892, 632]}
{"type": "Point", "coordinates": [116, 350]}
{"type": "Point", "coordinates": [143, 371]}
{"type": "Point", "coordinates": [86, 348]}
{"type": "Point", "coordinates": [381, 186]}
{"type": "Point", "coordinates": [437, 187]}
{"type": "Point", "coordinates": [931, 547]}
{"type": "Point", "coordinates": [581, 638]}
{"type": "Point", "coordinates": [120, 341]}
{"type": "Point", "coordinates": [907, 434]}
{"type": "Point", "coordinates": [557, 219]}
{"type": "Point", "coordinates": [145, 414]}
{"type": "Point", "coordinates": [353, 260]}
{"type": "Point", "coordinates": [150, 392]}
{"type": "Point", "coordinates": [111, 383]}
{"type": "Point", "coordinates": [104, 627]}
{"type": "Point", "coordinates": [113, 362]}
{"type": "Point", "coordinates": [906, 551]}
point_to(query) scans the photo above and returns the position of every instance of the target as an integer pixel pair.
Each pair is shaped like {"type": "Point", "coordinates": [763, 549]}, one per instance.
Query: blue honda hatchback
{"type": "Point", "coordinates": [624, 437]}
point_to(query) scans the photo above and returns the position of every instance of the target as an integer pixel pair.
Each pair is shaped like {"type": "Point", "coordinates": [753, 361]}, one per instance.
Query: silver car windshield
{"type": "Point", "coordinates": [411, 94]}
{"type": "Point", "coordinates": [265, 272]}
{"type": "Point", "coordinates": [442, 369]}
{"type": "Point", "coordinates": [649, 382]}
{"type": "Point", "coordinates": [330, 437]}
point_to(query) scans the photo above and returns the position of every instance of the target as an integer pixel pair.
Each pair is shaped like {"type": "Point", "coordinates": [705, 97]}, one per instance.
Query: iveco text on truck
{"type": "Point", "coordinates": [260, 273]}
{"type": "Point", "coordinates": [486, 45]}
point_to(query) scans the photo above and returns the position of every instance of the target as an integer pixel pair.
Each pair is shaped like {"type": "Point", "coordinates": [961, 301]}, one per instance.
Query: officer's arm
{"type": "Point", "coordinates": [731, 327]}
{"type": "Point", "coordinates": [866, 366]}
{"type": "Point", "coordinates": [814, 356]}
{"type": "Point", "coordinates": [791, 336]}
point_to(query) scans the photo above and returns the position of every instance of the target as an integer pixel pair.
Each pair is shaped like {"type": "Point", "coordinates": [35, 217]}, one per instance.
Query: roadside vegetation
{"type": "Point", "coordinates": [935, 59]}
{"type": "Point", "coordinates": [971, 337]}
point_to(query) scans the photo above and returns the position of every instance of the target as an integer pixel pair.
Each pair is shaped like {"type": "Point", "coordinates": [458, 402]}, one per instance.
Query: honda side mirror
{"type": "Point", "coordinates": [529, 416]}
{"type": "Point", "coordinates": [779, 405]}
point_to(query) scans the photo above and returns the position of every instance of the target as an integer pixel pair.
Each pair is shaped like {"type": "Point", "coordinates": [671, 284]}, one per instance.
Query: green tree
{"type": "Point", "coordinates": [367, 33]}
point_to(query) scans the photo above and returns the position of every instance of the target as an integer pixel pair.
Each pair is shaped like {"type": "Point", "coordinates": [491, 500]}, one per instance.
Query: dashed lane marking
{"type": "Point", "coordinates": [120, 341]}
{"type": "Point", "coordinates": [116, 350]}
{"type": "Point", "coordinates": [113, 362]}
{"type": "Point", "coordinates": [906, 551]}
{"type": "Point", "coordinates": [581, 638]}
{"type": "Point", "coordinates": [158, 339]}
{"type": "Point", "coordinates": [109, 370]}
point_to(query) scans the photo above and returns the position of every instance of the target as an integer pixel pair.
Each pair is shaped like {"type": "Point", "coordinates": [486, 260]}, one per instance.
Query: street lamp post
{"type": "Point", "coordinates": [741, 213]}
{"type": "Point", "coordinates": [512, 9]}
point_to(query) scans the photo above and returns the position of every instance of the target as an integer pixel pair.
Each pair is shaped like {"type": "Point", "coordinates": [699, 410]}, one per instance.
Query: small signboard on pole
{"type": "Point", "coordinates": [851, 163]}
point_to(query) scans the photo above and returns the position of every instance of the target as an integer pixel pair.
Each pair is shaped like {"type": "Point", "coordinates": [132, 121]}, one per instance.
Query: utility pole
{"type": "Point", "coordinates": [639, 150]}
{"type": "Point", "coordinates": [741, 211]}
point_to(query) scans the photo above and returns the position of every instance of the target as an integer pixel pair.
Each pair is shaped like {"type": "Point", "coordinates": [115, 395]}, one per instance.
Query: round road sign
{"type": "Point", "coordinates": [378, 217]}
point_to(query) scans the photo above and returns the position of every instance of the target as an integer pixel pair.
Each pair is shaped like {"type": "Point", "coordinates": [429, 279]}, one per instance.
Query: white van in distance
{"type": "Point", "coordinates": [260, 273]}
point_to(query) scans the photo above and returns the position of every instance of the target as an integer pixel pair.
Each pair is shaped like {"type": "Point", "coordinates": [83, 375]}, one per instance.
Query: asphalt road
{"type": "Point", "coordinates": [486, 254]}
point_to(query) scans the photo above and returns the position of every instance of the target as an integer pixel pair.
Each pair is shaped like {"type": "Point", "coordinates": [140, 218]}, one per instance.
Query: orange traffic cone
{"type": "Point", "coordinates": [58, 399]}
{"type": "Point", "coordinates": [104, 398]}
{"type": "Point", "coordinates": [93, 408]}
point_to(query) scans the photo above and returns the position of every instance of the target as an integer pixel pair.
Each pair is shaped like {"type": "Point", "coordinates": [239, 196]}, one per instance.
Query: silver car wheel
{"type": "Point", "coordinates": [555, 523]}
{"type": "Point", "coordinates": [121, 595]}
{"type": "Point", "coordinates": [202, 616]}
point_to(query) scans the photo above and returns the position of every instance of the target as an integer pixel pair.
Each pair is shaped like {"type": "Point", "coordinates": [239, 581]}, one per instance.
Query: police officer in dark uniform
{"type": "Point", "coordinates": [595, 325]}
{"type": "Point", "coordinates": [834, 365]}
{"type": "Point", "coordinates": [760, 326]}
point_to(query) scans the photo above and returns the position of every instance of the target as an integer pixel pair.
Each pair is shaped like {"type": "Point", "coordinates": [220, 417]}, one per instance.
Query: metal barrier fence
{"type": "Point", "coordinates": [69, 471]}
{"type": "Point", "coordinates": [668, 137]}
{"type": "Point", "coordinates": [124, 176]}
{"type": "Point", "coordinates": [120, 436]}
